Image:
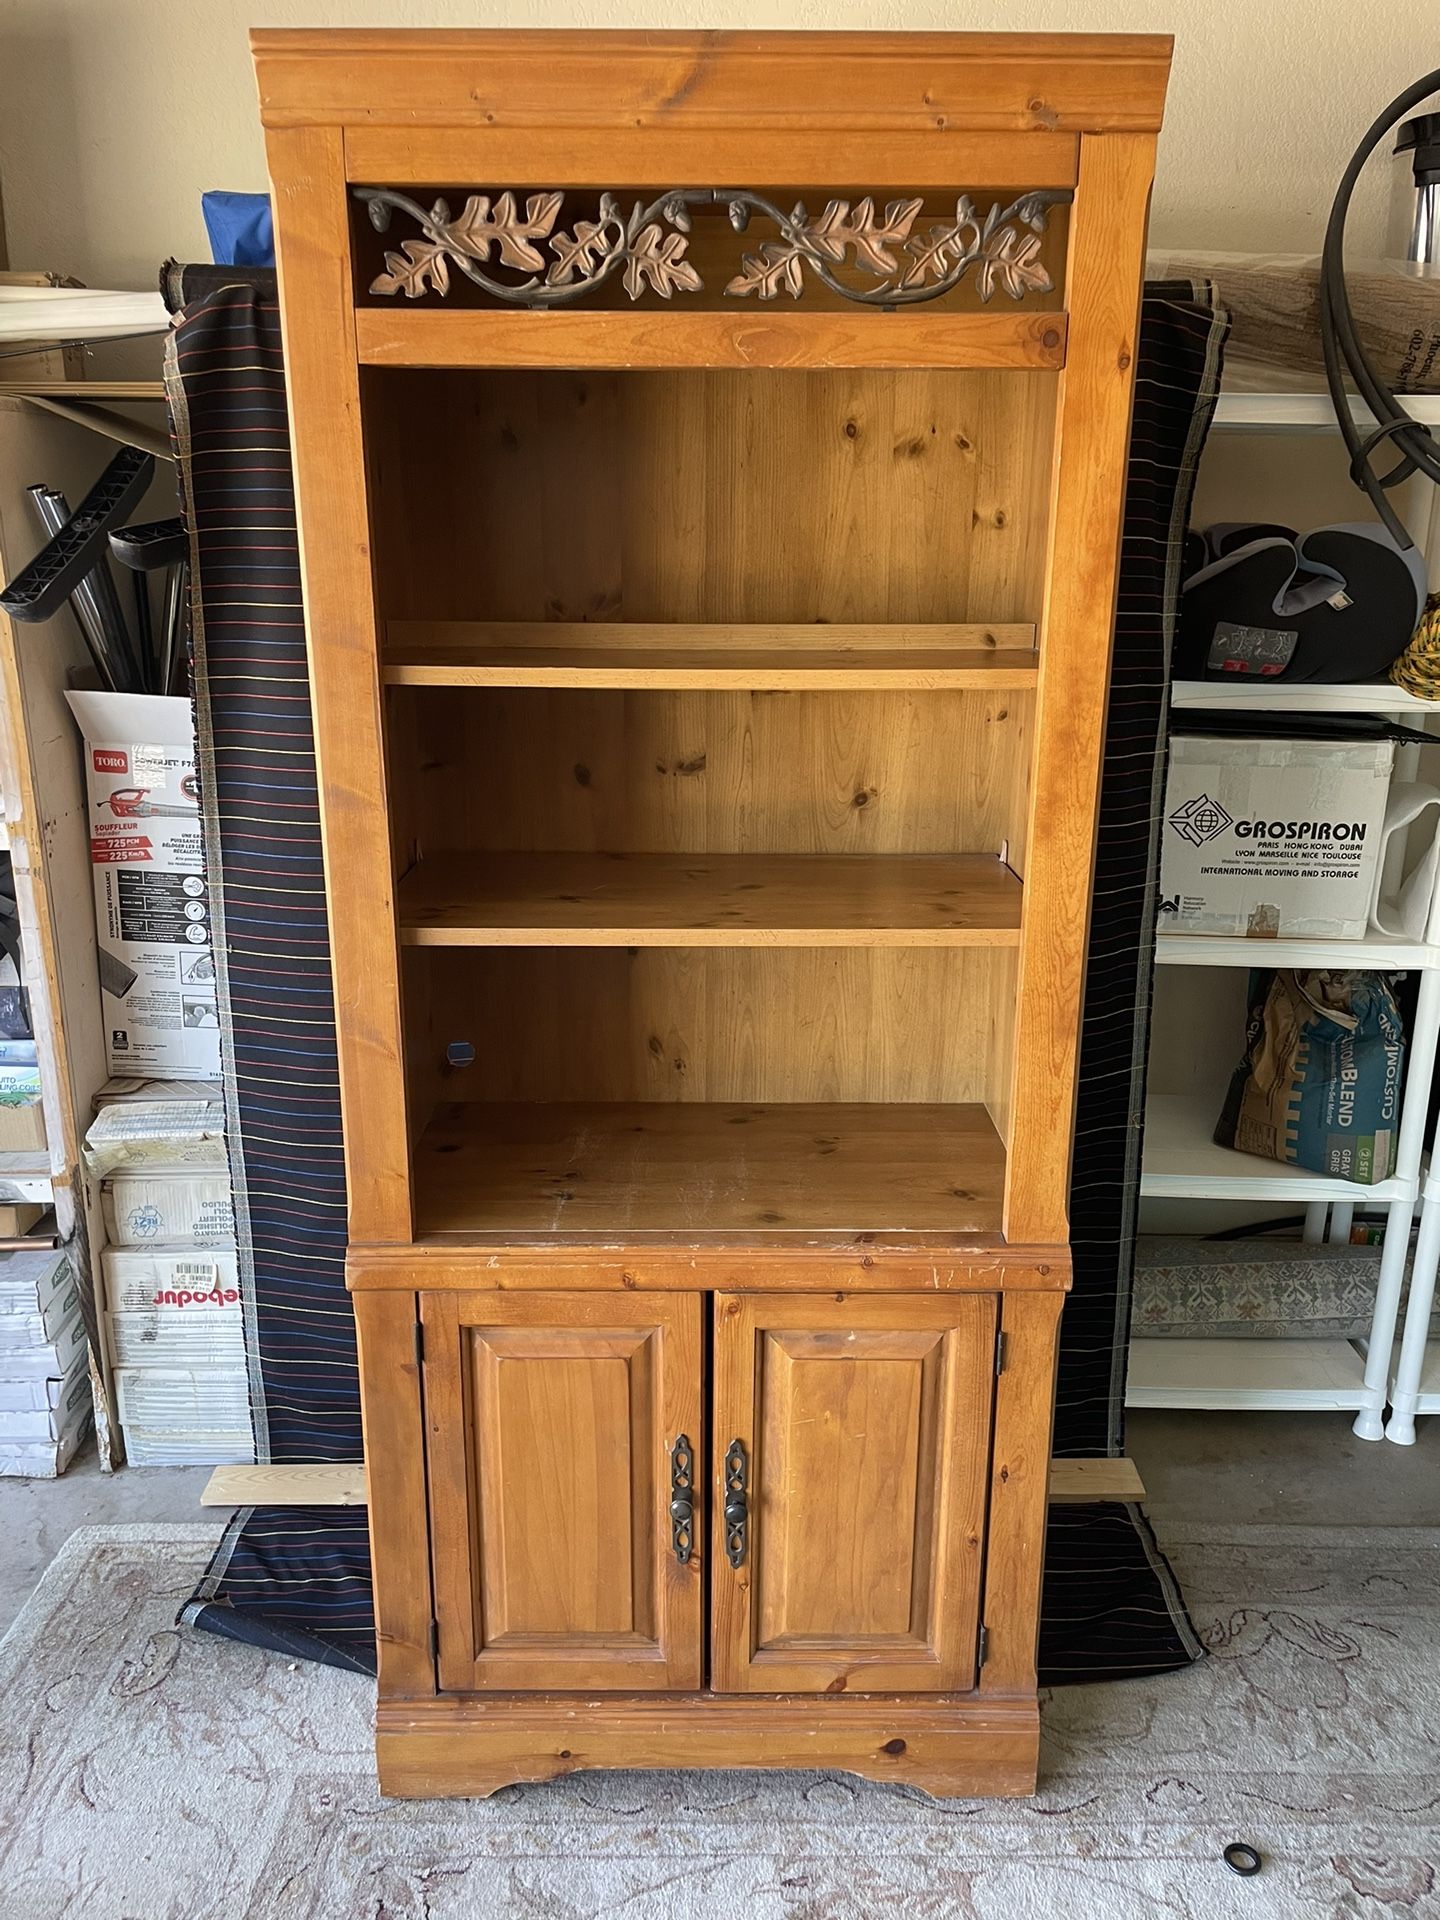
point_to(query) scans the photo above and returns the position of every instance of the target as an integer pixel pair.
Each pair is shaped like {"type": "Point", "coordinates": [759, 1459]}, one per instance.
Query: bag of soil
{"type": "Point", "coordinates": [1319, 1086]}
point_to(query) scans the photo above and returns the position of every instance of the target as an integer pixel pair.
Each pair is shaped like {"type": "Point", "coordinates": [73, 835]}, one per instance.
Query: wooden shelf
{"type": "Point", "coordinates": [710, 900]}
{"type": "Point", "coordinates": [684, 1166]}
{"type": "Point", "coordinates": [715, 337]}
{"type": "Point", "coordinates": [630, 655]}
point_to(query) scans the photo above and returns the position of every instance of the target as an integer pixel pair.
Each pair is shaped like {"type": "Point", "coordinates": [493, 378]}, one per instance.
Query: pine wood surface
{"type": "Point", "coordinates": [635, 1128]}
{"type": "Point", "coordinates": [1019, 1484]}
{"type": "Point", "coordinates": [824, 83]}
{"type": "Point", "coordinates": [671, 657]}
{"type": "Point", "coordinates": [967, 1746]}
{"type": "Point", "coordinates": [695, 496]}
{"type": "Point", "coordinates": [866, 1424]}
{"type": "Point", "coordinates": [730, 1024]}
{"type": "Point", "coordinates": [393, 1430]}
{"type": "Point", "coordinates": [460, 337]}
{"type": "Point", "coordinates": [702, 1168]}
{"type": "Point", "coordinates": [332, 511]}
{"type": "Point", "coordinates": [1107, 255]}
{"type": "Point", "coordinates": [721, 900]}
{"type": "Point", "coordinates": [576, 770]}
{"type": "Point", "coordinates": [551, 1417]}
{"type": "Point", "coordinates": [684, 157]}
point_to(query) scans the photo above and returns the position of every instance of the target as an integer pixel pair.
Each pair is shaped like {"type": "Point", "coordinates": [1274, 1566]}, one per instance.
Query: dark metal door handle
{"type": "Point", "coordinates": [737, 1504]}
{"type": "Point", "coordinates": [682, 1498]}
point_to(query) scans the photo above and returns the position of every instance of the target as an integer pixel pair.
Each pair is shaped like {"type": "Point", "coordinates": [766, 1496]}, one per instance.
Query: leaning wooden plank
{"type": "Point", "coordinates": [328, 1484]}
{"type": "Point", "coordinates": [343, 1485]}
{"type": "Point", "coordinates": [1072, 1481]}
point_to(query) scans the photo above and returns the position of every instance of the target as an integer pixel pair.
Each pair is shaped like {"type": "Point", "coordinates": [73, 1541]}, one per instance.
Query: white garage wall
{"type": "Point", "coordinates": [115, 113]}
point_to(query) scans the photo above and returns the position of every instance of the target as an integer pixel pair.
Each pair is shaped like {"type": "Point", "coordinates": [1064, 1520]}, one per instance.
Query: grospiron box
{"type": "Point", "coordinates": [1272, 838]}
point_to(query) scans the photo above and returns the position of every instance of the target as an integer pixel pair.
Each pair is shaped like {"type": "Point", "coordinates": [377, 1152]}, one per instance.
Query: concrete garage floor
{"type": "Point", "coordinates": [1306, 1469]}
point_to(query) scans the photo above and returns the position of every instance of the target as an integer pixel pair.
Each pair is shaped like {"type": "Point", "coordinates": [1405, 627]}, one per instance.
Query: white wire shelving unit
{"type": "Point", "coordinates": [1182, 1162]}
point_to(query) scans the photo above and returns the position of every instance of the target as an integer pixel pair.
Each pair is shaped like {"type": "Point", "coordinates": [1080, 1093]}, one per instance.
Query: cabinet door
{"type": "Point", "coordinates": [552, 1418]}
{"type": "Point", "coordinates": [849, 1560]}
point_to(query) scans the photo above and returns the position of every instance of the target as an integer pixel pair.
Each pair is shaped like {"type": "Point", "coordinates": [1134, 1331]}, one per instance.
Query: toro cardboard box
{"type": "Point", "coordinates": [152, 903]}
{"type": "Point", "coordinates": [1272, 838]}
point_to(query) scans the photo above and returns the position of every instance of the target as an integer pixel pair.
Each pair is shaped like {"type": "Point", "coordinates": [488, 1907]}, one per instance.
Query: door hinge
{"type": "Point", "coordinates": [999, 1350]}
{"type": "Point", "coordinates": [419, 1343]}
{"type": "Point", "coordinates": [982, 1646]}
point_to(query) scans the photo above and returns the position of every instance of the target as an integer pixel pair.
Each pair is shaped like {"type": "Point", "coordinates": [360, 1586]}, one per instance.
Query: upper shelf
{"type": "Point", "coordinates": [755, 658]}
{"type": "Point", "coordinates": [710, 900]}
{"type": "Point", "coordinates": [644, 338]}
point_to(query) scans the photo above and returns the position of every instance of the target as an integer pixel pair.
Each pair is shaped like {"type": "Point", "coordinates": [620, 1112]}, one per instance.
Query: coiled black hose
{"type": "Point", "coordinates": [1416, 446]}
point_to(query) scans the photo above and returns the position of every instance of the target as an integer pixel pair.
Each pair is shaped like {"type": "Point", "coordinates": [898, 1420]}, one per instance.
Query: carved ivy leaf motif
{"type": "Point", "coordinates": [414, 271]}
{"type": "Point", "coordinates": [872, 239]}
{"type": "Point", "coordinates": [575, 254]}
{"type": "Point", "coordinates": [650, 242]}
{"type": "Point", "coordinates": [479, 226]}
{"type": "Point", "coordinates": [1014, 260]}
{"type": "Point", "coordinates": [659, 258]}
{"type": "Point", "coordinates": [775, 269]}
{"type": "Point", "coordinates": [934, 253]}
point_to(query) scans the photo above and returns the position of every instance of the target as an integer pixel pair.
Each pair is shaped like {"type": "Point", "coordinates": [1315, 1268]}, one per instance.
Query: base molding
{"type": "Point", "coordinates": [953, 1746]}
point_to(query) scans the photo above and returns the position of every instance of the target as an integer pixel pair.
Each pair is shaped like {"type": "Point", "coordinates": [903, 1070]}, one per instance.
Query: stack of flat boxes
{"type": "Point", "coordinates": [45, 1403]}
{"type": "Point", "coordinates": [172, 1287]}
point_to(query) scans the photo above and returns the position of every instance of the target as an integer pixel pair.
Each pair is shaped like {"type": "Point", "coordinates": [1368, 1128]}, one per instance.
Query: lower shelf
{"type": "Point", "coordinates": [1280, 1376]}
{"type": "Point", "coordinates": [688, 1167]}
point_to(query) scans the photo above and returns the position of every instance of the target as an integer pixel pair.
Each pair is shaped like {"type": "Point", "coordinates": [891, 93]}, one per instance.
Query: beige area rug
{"type": "Point", "coordinates": [154, 1774]}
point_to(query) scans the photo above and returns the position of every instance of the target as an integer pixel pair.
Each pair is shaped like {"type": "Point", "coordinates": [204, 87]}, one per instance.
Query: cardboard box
{"type": "Point", "coordinates": [162, 1339]}
{"type": "Point", "coordinates": [49, 1358]}
{"type": "Point", "coordinates": [25, 1395]}
{"type": "Point", "coordinates": [193, 1283]}
{"type": "Point", "coordinates": [192, 1210]}
{"type": "Point", "coordinates": [39, 1294]}
{"type": "Point", "coordinates": [22, 1126]}
{"type": "Point", "coordinates": [152, 904]}
{"type": "Point", "coordinates": [41, 1459]}
{"type": "Point", "coordinates": [159, 1134]}
{"type": "Point", "coordinates": [50, 1422]}
{"type": "Point", "coordinates": [184, 1399]}
{"type": "Point", "coordinates": [146, 1449]}
{"type": "Point", "coordinates": [1272, 838]}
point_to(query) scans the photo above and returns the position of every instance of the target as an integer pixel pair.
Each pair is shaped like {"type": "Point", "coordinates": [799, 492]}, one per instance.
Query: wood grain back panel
{"type": "Point", "coordinates": [794, 1024]}
{"type": "Point", "coordinates": [506, 770]}
{"type": "Point", "coordinates": [854, 496]}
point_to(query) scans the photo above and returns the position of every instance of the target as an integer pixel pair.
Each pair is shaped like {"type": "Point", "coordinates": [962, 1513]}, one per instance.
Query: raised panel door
{"type": "Point", "coordinates": [552, 1420]}
{"type": "Point", "coordinates": [852, 1443]}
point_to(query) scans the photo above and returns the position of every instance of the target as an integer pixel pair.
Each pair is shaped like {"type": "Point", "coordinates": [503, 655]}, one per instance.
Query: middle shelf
{"type": "Point", "coordinates": [710, 900]}
{"type": "Point", "coordinates": [625, 655]}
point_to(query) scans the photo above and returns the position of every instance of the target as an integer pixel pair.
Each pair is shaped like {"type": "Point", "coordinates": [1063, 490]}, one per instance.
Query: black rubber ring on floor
{"type": "Point", "coordinates": [1242, 1859]}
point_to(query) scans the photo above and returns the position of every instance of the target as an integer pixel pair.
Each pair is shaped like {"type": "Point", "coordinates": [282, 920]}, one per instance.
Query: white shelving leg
{"type": "Point", "coordinates": [1342, 1218]}
{"type": "Point", "coordinates": [1316, 1216]}
{"type": "Point", "coordinates": [1401, 1425]}
{"type": "Point", "coordinates": [1420, 1053]}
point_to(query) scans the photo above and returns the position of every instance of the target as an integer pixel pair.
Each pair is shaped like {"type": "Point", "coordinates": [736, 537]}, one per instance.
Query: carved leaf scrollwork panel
{"type": "Point", "coordinates": [492, 235]}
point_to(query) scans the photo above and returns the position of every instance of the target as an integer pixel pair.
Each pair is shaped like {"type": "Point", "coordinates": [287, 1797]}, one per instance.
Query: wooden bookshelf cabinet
{"type": "Point", "coordinates": [710, 454]}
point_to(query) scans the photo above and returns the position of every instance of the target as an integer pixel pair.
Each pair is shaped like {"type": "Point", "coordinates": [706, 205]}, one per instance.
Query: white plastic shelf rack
{"type": "Point", "coordinates": [1181, 1161]}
